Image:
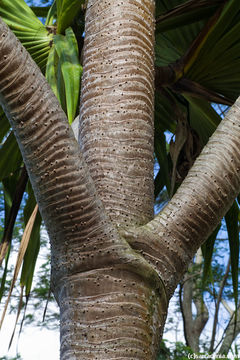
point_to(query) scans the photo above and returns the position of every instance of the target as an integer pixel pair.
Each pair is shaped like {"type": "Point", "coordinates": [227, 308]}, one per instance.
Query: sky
{"type": "Point", "coordinates": [35, 343]}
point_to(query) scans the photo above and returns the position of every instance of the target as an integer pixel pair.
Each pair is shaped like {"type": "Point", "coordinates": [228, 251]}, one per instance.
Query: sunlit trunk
{"type": "Point", "coordinates": [114, 268]}
{"type": "Point", "coordinates": [116, 113]}
{"type": "Point", "coordinates": [112, 302]}
{"type": "Point", "coordinates": [110, 314]}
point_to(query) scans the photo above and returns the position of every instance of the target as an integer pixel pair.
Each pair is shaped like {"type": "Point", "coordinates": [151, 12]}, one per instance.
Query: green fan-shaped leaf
{"type": "Point", "coordinates": [218, 57]}
{"type": "Point", "coordinates": [225, 21]}
{"type": "Point", "coordinates": [231, 219]}
{"type": "Point", "coordinates": [172, 45]}
{"type": "Point", "coordinates": [28, 28]}
{"type": "Point", "coordinates": [66, 12]}
{"type": "Point", "coordinates": [183, 13]}
{"type": "Point", "coordinates": [204, 53]}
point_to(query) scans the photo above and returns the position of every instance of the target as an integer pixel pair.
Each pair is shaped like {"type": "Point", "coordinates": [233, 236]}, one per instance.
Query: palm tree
{"type": "Point", "coordinates": [114, 265]}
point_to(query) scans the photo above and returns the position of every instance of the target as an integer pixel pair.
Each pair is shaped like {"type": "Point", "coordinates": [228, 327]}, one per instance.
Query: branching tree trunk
{"type": "Point", "coordinates": [218, 302]}
{"type": "Point", "coordinates": [193, 324]}
{"type": "Point", "coordinates": [232, 331]}
{"type": "Point", "coordinates": [114, 267]}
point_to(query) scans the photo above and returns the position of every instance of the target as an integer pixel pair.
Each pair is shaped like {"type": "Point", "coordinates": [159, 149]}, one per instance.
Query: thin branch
{"type": "Point", "coordinates": [193, 325]}
{"type": "Point", "coordinates": [227, 307]}
{"type": "Point", "coordinates": [231, 331]}
{"type": "Point", "coordinates": [219, 298]}
{"type": "Point", "coordinates": [224, 333]}
{"type": "Point", "coordinates": [182, 312]}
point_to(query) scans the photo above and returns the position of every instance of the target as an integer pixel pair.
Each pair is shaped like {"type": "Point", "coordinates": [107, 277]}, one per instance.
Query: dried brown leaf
{"type": "Point", "coordinates": [21, 253]}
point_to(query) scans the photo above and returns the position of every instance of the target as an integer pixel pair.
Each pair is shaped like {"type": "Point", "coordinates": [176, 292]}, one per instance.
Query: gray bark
{"type": "Point", "coordinates": [232, 331]}
{"type": "Point", "coordinates": [193, 325]}
{"type": "Point", "coordinates": [122, 298]}
{"type": "Point", "coordinates": [198, 206]}
{"type": "Point", "coordinates": [116, 113]}
{"type": "Point", "coordinates": [111, 277]}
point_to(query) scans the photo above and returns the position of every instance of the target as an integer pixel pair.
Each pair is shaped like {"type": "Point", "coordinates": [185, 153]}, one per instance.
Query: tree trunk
{"type": "Point", "coordinates": [232, 331]}
{"type": "Point", "coordinates": [93, 268]}
{"type": "Point", "coordinates": [110, 313]}
{"type": "Point", "coordinates": [193, 325]}
{"type": "Point", "coordinates": [116, 113]}
{"type": "Point", "coordinates": [97, 203]}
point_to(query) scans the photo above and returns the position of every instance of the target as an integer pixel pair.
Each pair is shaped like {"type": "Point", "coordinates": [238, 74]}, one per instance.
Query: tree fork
{"type": "Point", "coordinates": [173, 237]}
{"type": "Point", "coordinates": [78, 196]}
{"type": "Point", "coordinates": [83, 240]}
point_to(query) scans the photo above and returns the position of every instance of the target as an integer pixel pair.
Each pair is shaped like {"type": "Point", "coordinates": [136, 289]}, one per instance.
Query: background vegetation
{"type": "Point", "coordinates": [197, 78]}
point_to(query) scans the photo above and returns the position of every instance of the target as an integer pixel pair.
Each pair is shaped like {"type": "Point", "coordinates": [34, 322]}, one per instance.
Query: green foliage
{"type": "Point", "coordinates": [231, 219]}
{"type": "Point", "coordinates": [67, 10]}
{"type": "Point", "coordinates": [197, 57]}
{"type": "Point", "coordinates": [64, 72]}
{"type": "Point", "coordinates": [170, 17]}
{"type": "Point", "coordinates": [207, 250]}
{"type": "Point", "coordinates": [176, 351]}
{"type": "Point", "coordinates": [18, 357]}
{"type": "Point", "coordinates": [10, 157]}
{"type": "Point", "coordinates": [28, 28]}
{"type": "Point", "coordinates": [42, 42]}
{"type": "Point", "coordinates": [215, 292]}
{"type": "Point", "coordinates": [164, 352]}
